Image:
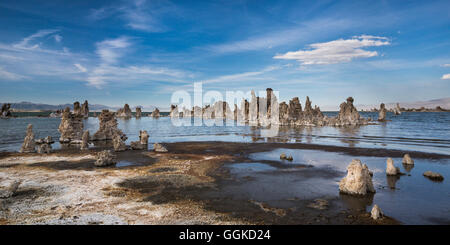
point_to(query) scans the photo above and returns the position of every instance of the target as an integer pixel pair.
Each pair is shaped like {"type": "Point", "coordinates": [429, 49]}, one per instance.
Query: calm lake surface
{"type": "Point", "coordinates": [411, 198]}
{"type": "Point", "coordinates": [427, 132]}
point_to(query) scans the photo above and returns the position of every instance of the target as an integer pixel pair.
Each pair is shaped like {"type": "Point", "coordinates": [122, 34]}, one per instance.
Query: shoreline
{"type": "Point", "coordinates": [179, 187]}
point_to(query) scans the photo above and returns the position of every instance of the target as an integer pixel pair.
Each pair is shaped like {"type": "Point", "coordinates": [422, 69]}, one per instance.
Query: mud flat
{"type": "Point", "coordinates": [197, 183]}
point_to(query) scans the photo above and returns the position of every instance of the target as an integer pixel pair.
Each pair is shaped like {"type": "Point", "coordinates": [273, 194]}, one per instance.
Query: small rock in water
{"type": "Point", "coordinates": [28, 143]}
{"type": "Point", "coordinates": [105, 158]}
{"type": "Point", "coordinates": [358, 180]}
{"type": "Point", "coordinates": [283, 156]}
{"type": "Point", "coordinates": [407, 160]}
{"type": "Point", "coordinates": [289, 158]}
{"type": "Point", "coordinates": [118, 143]}
{"type": "Point", "coordinates": [433, 176]}
{"type": "Point", "coordinates": [159, 148]}
{"type": "Point", "coordinates": [390, 168]}
{"type": "Point", "coordinates": [85, 140]}
{"type": "Point", "coordinates": [143, 137]}
{"type": "Point", "coordinates": [320, 204]}
{"type": "Point", "coordinates": [44, 148]}
{"type": "Point", "coordinates": [136, 145]}
{"type": "Point", "coordinates": [376, 212]}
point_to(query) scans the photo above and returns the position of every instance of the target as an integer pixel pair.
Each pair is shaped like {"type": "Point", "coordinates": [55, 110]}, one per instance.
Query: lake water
{"type": "Point", "coordinates": [427, 132]}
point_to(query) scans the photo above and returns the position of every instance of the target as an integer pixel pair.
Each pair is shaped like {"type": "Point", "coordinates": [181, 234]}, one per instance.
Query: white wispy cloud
{"type": "Point", "coordinates": [337, 51]}
{"type": "Point", "coordinates": [111, 50]}
{"type": "Point", "coordinates": [80, 67]}
{"type": "Point", "coordinates": [293, 34]}
{"type": "Point", "coordinates": [25, 43]}
{"type": "Point", "coordinates": [241, 76]}
{"type": "Point", "coordinates": [139, 15]}
{"type": "Point", "coordinates": [445, 65]}
{"type": "Point", "coordinates": [4, 74]}
{"type": "Point", "coordinates": [446, 76]}
{"type": "Point", "coordinates": [57, 37]}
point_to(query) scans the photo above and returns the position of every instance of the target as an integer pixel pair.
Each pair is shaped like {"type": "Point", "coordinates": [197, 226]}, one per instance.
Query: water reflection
{"type": "Point", "coordinates": [408, 167]}
{"type": "Point", "coordinates": [392, 180]}
{"type": "Point", "coordinates": [357, 203]}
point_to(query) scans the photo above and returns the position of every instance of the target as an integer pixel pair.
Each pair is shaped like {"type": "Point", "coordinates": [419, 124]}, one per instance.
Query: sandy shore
{"type": "Point", "coordinates": [184, 186]}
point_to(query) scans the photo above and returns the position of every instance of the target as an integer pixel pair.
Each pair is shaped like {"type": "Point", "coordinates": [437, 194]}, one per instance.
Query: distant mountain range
{"type": "Point", "coordinates": [431, 104]}
{"type": "Point", "coordinates": [29, 106]}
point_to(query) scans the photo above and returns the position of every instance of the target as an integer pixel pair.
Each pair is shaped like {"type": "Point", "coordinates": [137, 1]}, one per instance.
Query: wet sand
{"type": "Point", "coordinates": [194, 183]}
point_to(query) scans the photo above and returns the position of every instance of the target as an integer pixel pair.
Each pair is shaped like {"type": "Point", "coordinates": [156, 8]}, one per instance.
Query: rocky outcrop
{"type": "Point", "coordinates": [143, 137]}
{"type": "Point", "coordinates": [349, 115]}
{"type": "Point", "coordinates": [44, 145]}
{"type": "Point", "coordinates": [108, 127]}
{"type": "Point", "coordinates": [10, 190]}
{"type": "Point", "coordinates": [85, 109]}
{"type": "Point", "coordinates": [376, 212]}
{"type": "Point", "coordinates": [136, 145]}
{"type": "Point", "coordinates": [124, 112]}
{"type": "Point", "coordinates": [358, 180]}
{"type": "Point", "coordinates": [138, 112]}
{"type": "Point", "coordinates": [397, 109]}
{"type": "Point", "coordinates": [77, 108]}
{"type": "Point", "coordinates": [119, 144]}
{"type": "Point", "coordinates": [105, 158]}
{"type": "Point", "coordinates": [155, 113]}
{"type": "Point", "coordinates": [71, 127]}
{"type": "Point", "coordinates": [390, 168]}
{"type": "Point", "coordinates": [85, 140]}
{"type": "Point", "coordinates": [173, 111]}
{"type": "Point", "coordinates": [159, 148]}
{"type": "Point", "coordinates": [433, 176]}
{"type": "Point", "coordinates": [382, 113]}
{"type": "Point", "coordinates": [142, 144]}
{"type": "Point", "coordinates": [6, 110]}
{"type": "Point", "coordinates": [407, 160]}
{"type": "Point", "coordinates": [29, 144]}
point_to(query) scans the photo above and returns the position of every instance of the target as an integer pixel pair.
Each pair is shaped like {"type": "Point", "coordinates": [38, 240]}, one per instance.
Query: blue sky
{"type": "Point", "coordinates": [140, 52]}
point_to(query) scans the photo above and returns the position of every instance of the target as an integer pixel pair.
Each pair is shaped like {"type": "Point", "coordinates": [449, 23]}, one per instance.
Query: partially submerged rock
{"type": "Point", "coordinates": [407, 160]}
{"type": "Point", "coordinates": [433, 176]}
{"type": "Point", "coordinates": [44, 145]}
{"type": "Point", "coordinates": [358, 180]}
{"type": "Point", "coordinates": [159, 148]}
{"type": "Point", "coordinates": [119, 144]}
{"type": "Point", "coordinates": [136, 145]}
{"type": "Point", "coordinates": [397, 109]}
{"type": "Point", "coordinates": [85, 140]}
{"type": "Point", "coordinates": [376, 212]}
{"type": "Point", "coordinates": [320, 204]}
{"type": "Point", "coordinates": [6, 110]}
{"type": "Point", "coordinates": [85, 109]}
{"type": "Point", "coordinates": [108, 127]}
{"type": "Point", "coordinates": [105, 158]}
{"type": "Point", "coordinates": [138, 112]}
{"type": "Point", "coordinates": [382, 113]}
{"type": "Point", "coordinates": [290, 158]}
{"type": "Point", "coordinates": [71, 126]}
{"type": "Point", "coordinates": [29, 144]}
{"type": "Point", "coordinates": [283, 156]}
{"type": "Point", "coordinates": [124, 112]}
{"type": "Point", "coordinates": [390, 168]}
{"type": "Point", "coordinates": [11, 190]}
{"type": "Point", "coordinates": [143, 137]}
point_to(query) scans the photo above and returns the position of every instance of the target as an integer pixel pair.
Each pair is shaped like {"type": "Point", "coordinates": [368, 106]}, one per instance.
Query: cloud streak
{"type": "Point", "coordinates": [445, 76]}
{"type": "Point", "coordinates": [337, 51]}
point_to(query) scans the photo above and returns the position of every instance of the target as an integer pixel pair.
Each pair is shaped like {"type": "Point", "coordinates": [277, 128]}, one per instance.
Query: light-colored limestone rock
{"type": "Point", "coordinates": [119, 144]}
{"type": "Point", "coordinates": [29, 144]}
{"type": "Point", "coordinates": [124, 112]}
{"type": "Point", "coordinates": [71, 126]}
{"type": "Point", "coordinates": [105, 158]}
{"type": "Point", "coordinates": [143, 137]}
{"type": "Point", "coordinates": [382, 113]}
{"type": "Point", "coordinates": [159, 148]}
{"type": "Point", "coordinates": [85, 140]}
{"type": "Point", "coordinates": [108, 127]}
{"type": "Point", "coordinates": [376, 212]}
{"type": "Point", "coordinates": [390, 168]}
{"type": "Point", "coordinates": [433, 176]}
{"type": "Point", "coordinates": [407, 160]}
{"type": "Point", "coordinates": [136, 145]}
{"type": "Point", "coordinates": [138, 112]}
{"type": "Point", "coordinates": [11, 190]}
{"type": "Point", "coordinates": [283, 156]}
{"type": "Point", "coordinates": [358, 180]}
